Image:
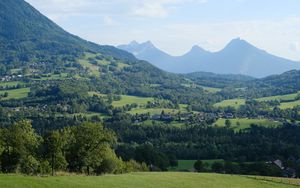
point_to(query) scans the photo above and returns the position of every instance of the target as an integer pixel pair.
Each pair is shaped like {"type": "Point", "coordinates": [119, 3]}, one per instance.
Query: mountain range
{"type": "Point", "coordinates": [238, 57]}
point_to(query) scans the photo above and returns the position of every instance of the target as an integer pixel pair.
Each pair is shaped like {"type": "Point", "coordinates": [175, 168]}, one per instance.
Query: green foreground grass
{"type": "Point", "coordinates": [140, 180]}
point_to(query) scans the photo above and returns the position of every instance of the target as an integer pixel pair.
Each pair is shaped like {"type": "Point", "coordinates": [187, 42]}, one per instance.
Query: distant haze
{"type": "Point", "coordinates": [175, 25]}
{"type": "Point", "coordinates": [238, 57]}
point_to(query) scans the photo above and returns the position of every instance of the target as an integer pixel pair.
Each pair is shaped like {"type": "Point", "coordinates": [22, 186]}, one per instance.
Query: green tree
{"type": "Point", "coordinates": [200, 166]}
{"type": "Point", "coordinates": [217, 167]}
{"type": "Point", "coordinates": [54, 144]}
{"type": "Point", "coordinates": [20, 145]}
{"type": "Point", "coordinates": [90, 147]}
{"type": "Point", "coordinates": [227, 123]}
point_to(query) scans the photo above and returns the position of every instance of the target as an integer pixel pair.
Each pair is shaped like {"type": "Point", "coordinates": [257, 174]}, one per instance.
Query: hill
{"type": "Point", "coordinates": [26, 36]}
{"type": "Point", "coordinates": [33, 46]}
{"type": "Point", "coordinates": [136, 180]}
{"type": "Point", "coordinates": [238, 57]}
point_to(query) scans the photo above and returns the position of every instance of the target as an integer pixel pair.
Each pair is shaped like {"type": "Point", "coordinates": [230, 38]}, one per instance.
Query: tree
{"type": "Point", "coordinates": [227, 123]}
{"type": "Point", "coordinates": [54, 144]}
{"type": "Point", "coordinates": [20, 144]}
{"type": "Point", "coordinates": [200, 166]}
{"type": "Point", "coordinates": [90, 146]}
{"type": "Point", "coordinates": [217, 167]}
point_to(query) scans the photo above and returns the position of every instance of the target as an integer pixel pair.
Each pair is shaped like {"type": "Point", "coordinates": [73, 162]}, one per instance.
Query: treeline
{"type": "Point", "coordinates": [87, 148]}
{"type": "Point", "coordinates": [250, 168]}
{"type": "Point", "coordinates": [208, 142]}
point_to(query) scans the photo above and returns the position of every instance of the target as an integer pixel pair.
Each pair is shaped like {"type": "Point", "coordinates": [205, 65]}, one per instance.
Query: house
{"type": "Point", "coordinates": [278, 163]}
{"type": "Point", "coordinates": [290, 173]}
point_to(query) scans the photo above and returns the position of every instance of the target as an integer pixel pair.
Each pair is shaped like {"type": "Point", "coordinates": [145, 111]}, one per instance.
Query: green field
{"type": "Point", "coordinates": [140, 180]}
{"type": "Point", "coordinates": [288, 97]}
{"type": "Point", "coordinates": [245, 123]}
{"type": "Point", "coordinates": [286, 105]}
{"type": "Point", "coordinates": [232, 102]}
{"type": "Point", "coordinates": [126, 99]}
{"type": "Point", "coordinates": [188, 165]}
{"type": "Point", "coordinates": [85, 63]}
{"type": "Point", "coordinates": [16, 93]}
{"type": "Point", "coordinates": [10, 84]}
{"type": "Point", "coordinates": [211, 89]}
{"type": "Point", "coordinates": [153, 111]}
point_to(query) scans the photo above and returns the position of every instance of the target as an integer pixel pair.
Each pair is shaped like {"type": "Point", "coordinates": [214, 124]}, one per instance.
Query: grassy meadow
{"type": "Point", "coordinates": [245, 123]}
{"type": "Point", "coordinates": [287, 105]}
{"type": "Point", "coordinates": [127, 100]}
{"type": "Point", "coordinates": [211, 89]}
{"type": "Point", "coordinates": [16, 93]}
{"type": "Point", "coordinates": [288, 97]}
{"type": "Point", "coordinates": [188, 165]}
{"type": "Point", "coordinates": [141, 180]}
{"type": "Point", "coordinates": [235, 103]}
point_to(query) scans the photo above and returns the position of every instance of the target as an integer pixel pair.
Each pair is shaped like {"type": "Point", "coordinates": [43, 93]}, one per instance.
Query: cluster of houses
{"type": "Point", "coordinates": [287, 171]}
{"type": "Point", "coordinates": [10, 78]}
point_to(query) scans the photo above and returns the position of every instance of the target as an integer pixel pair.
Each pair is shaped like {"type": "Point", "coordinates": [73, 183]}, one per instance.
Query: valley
{"type": "Point", "coordinates": [74, 113]}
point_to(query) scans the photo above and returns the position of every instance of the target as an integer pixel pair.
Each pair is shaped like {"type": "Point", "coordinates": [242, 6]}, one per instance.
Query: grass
{"type": "Point", "coordinates": [127, 99]}
{"type": "Point", "coordinates": [138, 180]}
{"type": "Point", "coordinates": [141, 102]}
{"type": "Point", "coordinates": [232, 102]}
{"type": "Point", "coordinates": [287, 105]}
{"type": "Point", "coordinates": [10, 84]}
{"type": "Point", "coordinates": [211, 89]}
{"type": "Point", "coordinates": [188, 165]}
{"type": "Point", "coordinates": [288, 97]}
{"type": "Point", "coordinates": [245, 123]}
{"type": "Point", "coordinates": [153, 111]}
{"type": "Point", "coordinates": [16, 93]}
{"type": "Point", "coordinates": [85, 63]}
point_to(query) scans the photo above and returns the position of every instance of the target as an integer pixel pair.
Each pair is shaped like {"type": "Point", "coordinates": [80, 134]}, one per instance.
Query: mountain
{"type": "Point", "coordinates": [33, 46]}
{"type": "Point", "coordinates": [238, 57]}
{"type": "Point", "coordinates": [28, 36]}
{"type": "Point", "coordinates": [147, 51]}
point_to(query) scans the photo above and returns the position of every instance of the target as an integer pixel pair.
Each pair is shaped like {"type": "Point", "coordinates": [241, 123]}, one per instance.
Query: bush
{"type": "Point", "coordinates": [44, 168]}
{"type": "Point", "coordinates": [200, 166]}
{"type": "Point", "coordinates": [133, 166]}
{"type": "Point", "coordinates": [29, 165]}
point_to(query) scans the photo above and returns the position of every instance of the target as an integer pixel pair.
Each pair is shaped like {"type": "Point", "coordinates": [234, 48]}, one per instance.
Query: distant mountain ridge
{"type": "Point", "coordinates": [238, 57]}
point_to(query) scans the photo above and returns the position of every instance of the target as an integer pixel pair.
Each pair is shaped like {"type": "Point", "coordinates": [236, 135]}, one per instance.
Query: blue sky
{"type": "Point", "coordinates": [176, 25]}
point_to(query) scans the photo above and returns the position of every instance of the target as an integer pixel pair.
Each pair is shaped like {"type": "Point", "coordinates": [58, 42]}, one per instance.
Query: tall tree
{"type": "Point", "coordinates": [20, 144]}
{"type": "Point", "coordinates": [90, 146]}
{"type": "Point", "coordinates": [55, 143]}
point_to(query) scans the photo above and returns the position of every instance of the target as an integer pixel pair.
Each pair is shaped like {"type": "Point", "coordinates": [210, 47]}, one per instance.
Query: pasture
{"type": "Point", "coordinates": [245, 123]}
{"type": "Point", "coordinates": [144, 180]}
{"type": "Point", "coordinates": [235, 103]}
{"type": "Point", "coordinates": [16, 93]}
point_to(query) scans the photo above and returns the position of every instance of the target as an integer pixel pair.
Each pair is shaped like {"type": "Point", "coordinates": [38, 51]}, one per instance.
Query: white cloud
{"type": "Point", "coordinates": [144, 8]}
{"type": "Point", "coordinates": [150, 9]}
{"type": "Point", "coordinates": [159, 8]}
{"type": "Point", "coordinates": [111, 22]}
{"type": "Point", "coordinates": [295, 46]}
